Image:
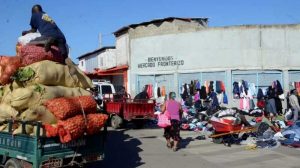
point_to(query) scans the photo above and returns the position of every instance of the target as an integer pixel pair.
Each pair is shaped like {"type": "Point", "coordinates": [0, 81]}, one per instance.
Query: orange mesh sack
{"type": "Point", "coordinates": [95, 123]}
{"type": "Point", "coordinates": [71, 129]}
{"type": "Point", "coordinates": [51, 130]}
{"type": "Point", "coordinates": [64, 108]}
{"type": "Point", "coordinates": [31, 54]}
{"type": "Point", "coordinates": [8, 67]}
{"type": "Point", "coordinates": [75, 127]}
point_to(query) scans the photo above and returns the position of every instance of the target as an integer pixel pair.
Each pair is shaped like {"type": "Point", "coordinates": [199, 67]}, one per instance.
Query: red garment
{"type": "Point", "coordinates": [261, 104]}
{"type": "Point", "coordinates": [244, 104]}
{"type": "Point", "coordinates": [289, 123]}
{"type": "Point", "coordinates": [150, 91]}
{"type": "Point", "coordinates": [163, 91]}
{"type": "Point", "coordinates": [223, 86]}
{"type": "Point", "coordinates": [297, 87]}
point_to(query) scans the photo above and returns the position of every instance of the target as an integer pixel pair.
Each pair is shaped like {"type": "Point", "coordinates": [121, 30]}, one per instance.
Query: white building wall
{"type": "Point", "coordinates": [91, 62]}
{"type": "Point", "coordinates": [122, 50]}
{"type": "Point", "coordinates": [81, 65]}
{"type": "Point", "coordinates": [107, 59]}
{"type": "Point", "coordinates": [218, 49]}
{"type": "Point", "coordinates": [222, 48]}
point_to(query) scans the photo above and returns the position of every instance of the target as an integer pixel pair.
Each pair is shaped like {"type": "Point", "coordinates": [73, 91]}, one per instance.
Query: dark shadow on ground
{"type": "Point", "coordinates": [148, 137]}
{"type": "Point", "coordinates": [148, 124]}
{"type": "Point", "coordinates": [185, 142]}
{"type": "Point", "coordinates": [122, 151]}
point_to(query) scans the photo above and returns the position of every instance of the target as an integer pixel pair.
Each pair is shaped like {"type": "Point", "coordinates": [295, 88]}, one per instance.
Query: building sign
{"type": "Point", "coordinates": [161, 62]}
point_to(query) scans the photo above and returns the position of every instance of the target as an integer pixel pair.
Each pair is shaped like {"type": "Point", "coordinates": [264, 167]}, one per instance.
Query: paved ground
{"type": "Point", "coordinates": [145, 148]}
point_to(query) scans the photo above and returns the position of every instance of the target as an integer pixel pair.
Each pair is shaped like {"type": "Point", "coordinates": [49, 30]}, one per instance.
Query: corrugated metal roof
{"type": "Point", "coordinates": [96, 51]}
{"type": "Point", "coordinates": [168, 19]}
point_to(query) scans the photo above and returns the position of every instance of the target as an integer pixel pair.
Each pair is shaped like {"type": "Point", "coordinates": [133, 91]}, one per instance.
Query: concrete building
{"type": "Point", "coordinates": [105, 64]}
{"type": "Point", "coordinates": [169, 52]}
{"type": "Point", "coordinates": [103, 58]}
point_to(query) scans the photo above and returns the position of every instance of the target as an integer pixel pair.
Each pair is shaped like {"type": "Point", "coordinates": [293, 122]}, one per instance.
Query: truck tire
{"type": "Point", "coordinates": [139, 124]}
{"type": "Point", "coordinates": [218, 140]}
{"type": "Point", "coordinates": [116, 121]}
{"type": "Point", "coordinates": [13, 163]}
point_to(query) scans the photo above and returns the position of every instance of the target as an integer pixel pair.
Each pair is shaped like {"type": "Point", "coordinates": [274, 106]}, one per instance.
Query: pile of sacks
{"type": "Point", "coordinates": [42, 86]}
{"type": "Point", "coordinates": [76, 116]}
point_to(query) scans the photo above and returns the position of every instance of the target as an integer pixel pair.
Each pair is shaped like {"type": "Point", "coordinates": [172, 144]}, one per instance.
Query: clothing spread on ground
{"type": "Point", "coordinates": [204, 111]}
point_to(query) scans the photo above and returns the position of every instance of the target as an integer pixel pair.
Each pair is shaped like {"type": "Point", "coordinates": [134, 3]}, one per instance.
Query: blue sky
{"type": "Point", "coordinates": [82, 20]}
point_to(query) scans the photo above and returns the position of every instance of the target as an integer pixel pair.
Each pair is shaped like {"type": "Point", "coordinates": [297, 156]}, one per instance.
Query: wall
{"type": "Point", "coordinates": [122, 56]}
{"type": "Point", "coordinates": [107, 59]}
{"type": "Point", "coordinates": [81, 65]}
{"type": "Point", "coordinates": [217, 49]}
{"type": "Point", "coordinates": [222, 48]}
{"type": "Point", "coordinates": [167, 27]}
{"type": "Point", "coordinates": [122, 50]}
{"type": "Point", "coordinates": [91, 62]}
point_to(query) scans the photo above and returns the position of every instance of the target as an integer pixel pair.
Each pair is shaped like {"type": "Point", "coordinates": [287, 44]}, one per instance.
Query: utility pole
{"type": "Point", "coordinates": [100, 40]}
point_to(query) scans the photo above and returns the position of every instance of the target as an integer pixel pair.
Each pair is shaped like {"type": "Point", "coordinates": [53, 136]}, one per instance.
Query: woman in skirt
{"type": "Point", "coordinates": [173, 109]}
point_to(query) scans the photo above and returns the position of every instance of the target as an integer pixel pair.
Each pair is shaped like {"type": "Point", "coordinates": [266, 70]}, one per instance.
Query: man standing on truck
{"type": "Point", "coordinates": [50, 33]}
{"type": "Point", "coordinates": [142, 95]}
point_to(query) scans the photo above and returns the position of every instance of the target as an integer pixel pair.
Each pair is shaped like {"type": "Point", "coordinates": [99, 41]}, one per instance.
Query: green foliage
{"type": "Point", "coordinates": [24, 74]}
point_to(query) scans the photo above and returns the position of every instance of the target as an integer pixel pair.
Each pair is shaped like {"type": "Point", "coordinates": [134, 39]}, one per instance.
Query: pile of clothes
{"type": "Point", "coordinates": [291, 135]}
{"type": "Point", "coordinates": [193, 120]}
{"type": "Point", "coordinates": [266, 138]}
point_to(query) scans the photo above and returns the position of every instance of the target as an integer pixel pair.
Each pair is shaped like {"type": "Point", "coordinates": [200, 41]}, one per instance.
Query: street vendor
{"type": "Point", "coordinates": [50, 33]}
{"type": "Point", "coordinates": [96, 96]}
{"type": "Point", "coordinates": [214, 100]}
{"type": "Point", "coordinates": [122, 93]}
{"type": "Point", "coordinates": [142, 95]}
{"type": "Point", "coordinates": [294, 104]}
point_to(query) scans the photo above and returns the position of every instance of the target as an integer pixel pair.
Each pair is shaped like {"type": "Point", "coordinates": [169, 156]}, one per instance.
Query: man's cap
{"type": "Point", "coordinates": [37, 7]}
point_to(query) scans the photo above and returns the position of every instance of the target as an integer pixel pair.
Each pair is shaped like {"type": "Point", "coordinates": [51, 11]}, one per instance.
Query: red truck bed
{"type": "Point", "coordinates": [130, 109]}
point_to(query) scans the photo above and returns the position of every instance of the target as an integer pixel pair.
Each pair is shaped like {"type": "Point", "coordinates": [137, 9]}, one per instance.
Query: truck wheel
{"type": "Point", "coordinates": [116, 121]}
{"type": "Point", "coordinates": [13, 163]}
{"type": "Point", "coordinates": [139, 124]}
{"type": "Point", "coordinates": [217, 140]}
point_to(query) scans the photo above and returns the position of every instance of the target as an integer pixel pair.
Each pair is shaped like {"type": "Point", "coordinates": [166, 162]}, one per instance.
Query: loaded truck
{"type": "Point", "coordinates": [123, 109]}
{"type": "Point", "coordinates": [35, 134]}
{"type": "Point", "coordinates": [36, 151]}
